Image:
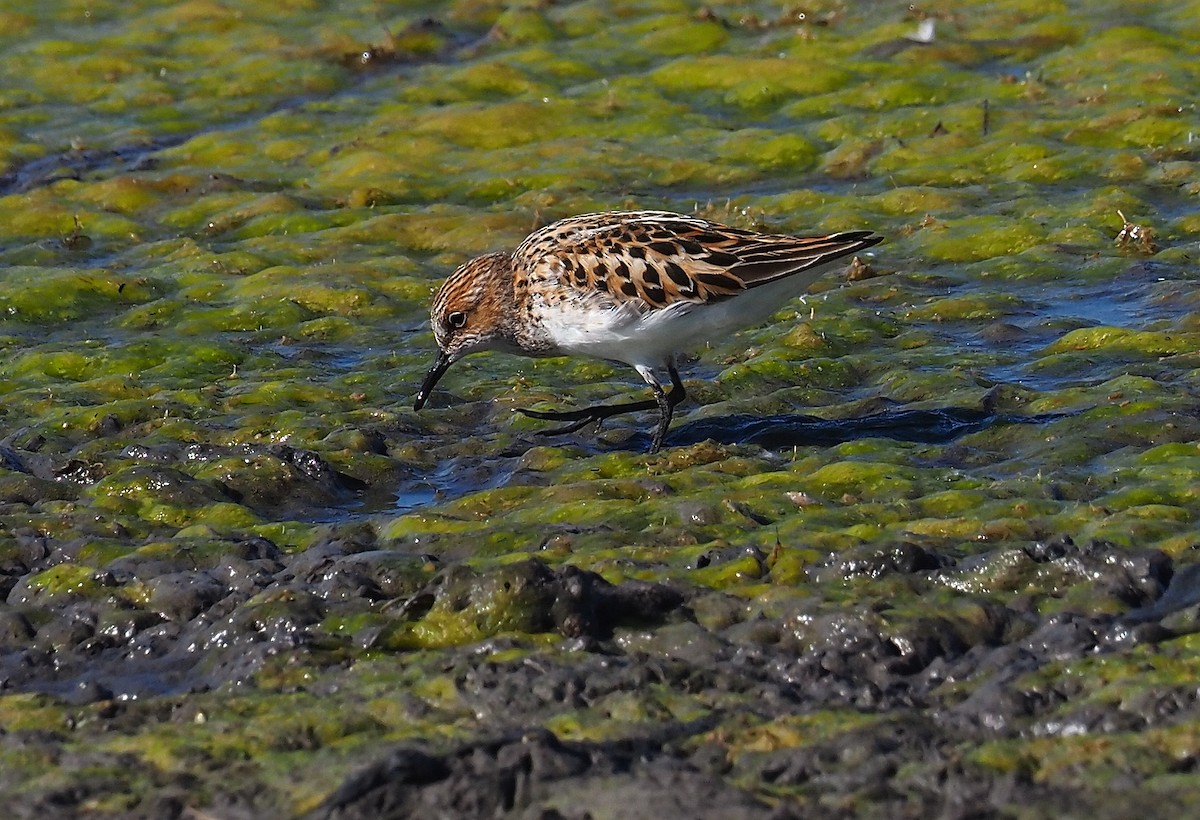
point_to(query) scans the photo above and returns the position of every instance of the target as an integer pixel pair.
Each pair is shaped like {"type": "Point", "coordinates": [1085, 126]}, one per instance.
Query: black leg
{"type": "Point", "coordinates": [665, 402]}
{"type": "Point", "coordinates": [665, 411]}
{"type": "Point", "coordinates": [666, 406]}
{"type": "Point", "coordinates": [677, 393]}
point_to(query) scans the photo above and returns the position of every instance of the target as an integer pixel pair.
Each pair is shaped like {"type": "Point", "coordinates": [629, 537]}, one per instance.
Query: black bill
{"type": "Point", "coordinates": [440, 366]}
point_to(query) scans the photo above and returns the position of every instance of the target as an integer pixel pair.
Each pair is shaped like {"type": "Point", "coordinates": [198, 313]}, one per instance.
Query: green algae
{"type": "Point", "coordinates": [63, 581]}
{"type": "Point", "coordinates": [748, 83]}
{"type": "Point", "coordinates": [1117, 341]}
{"type": "Point", "coordinates": [1114, 683]}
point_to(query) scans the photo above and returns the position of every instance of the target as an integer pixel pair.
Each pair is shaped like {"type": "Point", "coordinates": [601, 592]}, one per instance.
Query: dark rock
{"type": "Point", "coordinates": [536, 775]}
{"type": "Point", "coordinates": [901, 558]}
{"type": "Point", "coordinates": [15, 630]}
{"type": "Point", "coordinates": [181, 596]}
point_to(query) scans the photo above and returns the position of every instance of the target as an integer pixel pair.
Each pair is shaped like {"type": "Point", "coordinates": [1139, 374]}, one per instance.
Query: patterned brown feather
{"type": "Point", "coordinates": [657, 259]}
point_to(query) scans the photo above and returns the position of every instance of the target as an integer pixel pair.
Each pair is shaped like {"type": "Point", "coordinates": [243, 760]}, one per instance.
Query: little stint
{"type": "Point", "coordinates": [636, 287]}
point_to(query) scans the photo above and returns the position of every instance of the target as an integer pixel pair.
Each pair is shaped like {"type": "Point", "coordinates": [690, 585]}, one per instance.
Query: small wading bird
{"type": "Point", "coordinates": [636, 287]}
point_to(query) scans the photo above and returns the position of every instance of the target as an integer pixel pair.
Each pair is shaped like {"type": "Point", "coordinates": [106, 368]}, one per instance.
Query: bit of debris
{"type": "Point", "coordinates": [791, 16]}
{"type": "Point", "coordinates": [802, 499]}
{"type": "Point", "coordinates": [860, 270]}
{"type": "Point", "coordinates": [77, 240]}
{"type": "Point", "coordinates": [422, 39]}
{"type": "Point", "coordinates": [1135, 237]}
{"type": "Point", "coordinates": [925, 32]}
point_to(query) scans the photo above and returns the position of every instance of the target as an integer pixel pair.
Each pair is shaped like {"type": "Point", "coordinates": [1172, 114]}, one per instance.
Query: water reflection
{"type": "Point", "coordinates": [785, 431]}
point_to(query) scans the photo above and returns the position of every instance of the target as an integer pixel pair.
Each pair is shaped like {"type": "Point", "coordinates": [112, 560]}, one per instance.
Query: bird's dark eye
{"type": "Point", "coordinates": [457, 319]}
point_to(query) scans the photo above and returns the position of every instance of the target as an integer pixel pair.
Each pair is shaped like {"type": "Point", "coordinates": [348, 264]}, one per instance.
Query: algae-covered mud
{"type": "Point", "coordinates": [924, 545]}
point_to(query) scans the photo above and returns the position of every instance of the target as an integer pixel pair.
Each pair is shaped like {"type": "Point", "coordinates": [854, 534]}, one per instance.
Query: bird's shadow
{"type": "Point", "coordinates": [791, 430]}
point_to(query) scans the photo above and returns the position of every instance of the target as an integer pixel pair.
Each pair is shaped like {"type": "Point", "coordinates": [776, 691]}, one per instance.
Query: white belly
{"type": "Point", "coordinates": [624, 334]}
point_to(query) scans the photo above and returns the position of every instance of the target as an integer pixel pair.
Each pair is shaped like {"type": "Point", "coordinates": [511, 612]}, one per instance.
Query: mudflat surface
{"type": "Point", "coordinates": [924, 545]}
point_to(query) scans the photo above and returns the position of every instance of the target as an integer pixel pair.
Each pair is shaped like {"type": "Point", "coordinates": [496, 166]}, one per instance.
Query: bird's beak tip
{"type": "Point", "coordinates": [440, 365]}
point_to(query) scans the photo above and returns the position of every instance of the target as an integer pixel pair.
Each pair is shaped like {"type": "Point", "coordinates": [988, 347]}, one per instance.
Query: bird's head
{"type": "Point", "coordinates": [471, 312]}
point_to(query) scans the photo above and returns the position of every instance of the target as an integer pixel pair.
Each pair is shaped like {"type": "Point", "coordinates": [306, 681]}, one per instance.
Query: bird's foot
{"type": "Point", "coordinates": [578, 419]}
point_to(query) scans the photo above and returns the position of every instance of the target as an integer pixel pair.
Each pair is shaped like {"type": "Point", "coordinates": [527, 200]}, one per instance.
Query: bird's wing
{"type": "Point", "coordinates": [655, 259]}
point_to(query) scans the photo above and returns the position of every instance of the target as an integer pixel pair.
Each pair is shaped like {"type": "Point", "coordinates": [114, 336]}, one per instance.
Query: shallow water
{"type": "Point", "coordinates": [220, 228]}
